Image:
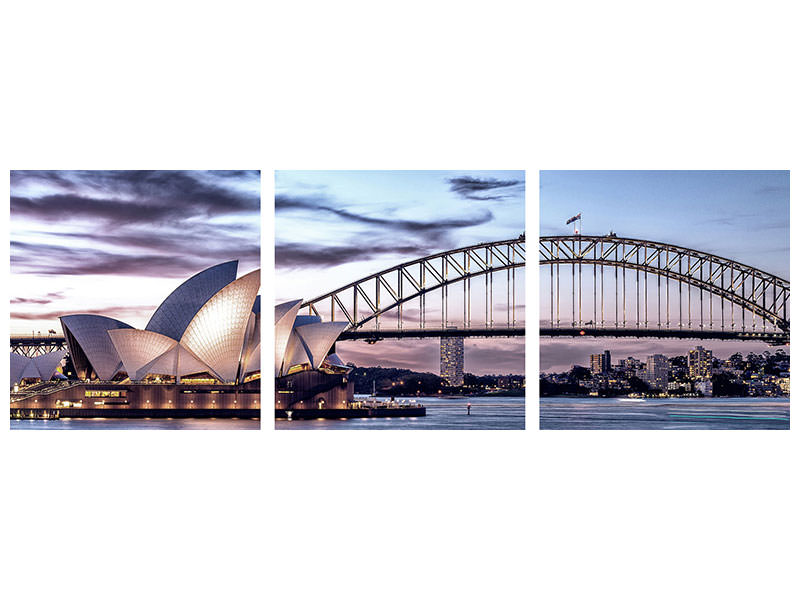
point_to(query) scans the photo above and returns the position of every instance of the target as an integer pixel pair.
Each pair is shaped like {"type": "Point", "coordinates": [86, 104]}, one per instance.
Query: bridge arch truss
{"type": "Point", "coordinates": [372, 300]}
{"type": "Point", "coordinates": [657, 287]}
{"type": "Point", "coordinates": [33, 345]}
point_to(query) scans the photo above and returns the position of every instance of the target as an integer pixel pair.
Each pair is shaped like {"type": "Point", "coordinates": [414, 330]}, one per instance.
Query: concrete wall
{"type": "Point", "coordinates": [149, 396]}
{"type": "Point", "coordinates": [306, 389]}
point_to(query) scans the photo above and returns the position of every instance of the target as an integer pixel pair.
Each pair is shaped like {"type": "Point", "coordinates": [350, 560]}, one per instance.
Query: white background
{"type": "Point", "coordinates": [446, 85]}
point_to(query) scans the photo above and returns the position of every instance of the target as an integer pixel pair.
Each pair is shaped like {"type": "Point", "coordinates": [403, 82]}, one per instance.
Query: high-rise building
{"type": "Point", "coordinates": [630, 366]}
{"type": "Point", "coordinates": [699, 363]}
{"type": "Point", "coordinates": [451, 351]}
{"type": "Point", "coordinates": [657, 373]}
{"type": "Point", "coordinates": [601, 363]}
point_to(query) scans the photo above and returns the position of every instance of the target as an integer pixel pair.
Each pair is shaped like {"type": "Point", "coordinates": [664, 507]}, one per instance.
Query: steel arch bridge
{"type": "Point", "coordinates": [36, 345]}
{"type": "Point", "coordinates": [370, 302]}
{"type": "Point", "coordinates": [663, 291]}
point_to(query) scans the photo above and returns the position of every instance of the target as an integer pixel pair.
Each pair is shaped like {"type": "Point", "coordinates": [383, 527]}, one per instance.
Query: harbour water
{"type": "Point", "coordinates": [664, 413]}
{"type": "Point", "coordinates": [486, 412]}
{"type": "Point", "coordinates": [146, 424]}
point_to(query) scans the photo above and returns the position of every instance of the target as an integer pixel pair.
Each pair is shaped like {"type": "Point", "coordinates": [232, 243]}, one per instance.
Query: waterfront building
{"type": "Point", "coordinates": [199, 356]}
{"type": "Point", "coordinates": [311, 381]}
{"type": "Point", "coordinates": [657, 371]}
{"type": "Point", "coordinates": [451, 360]}
{"type": "Point", "coordinates": [600, 363]}
{"type": "Point", "coordinates": [207, 331]}
{"type": "Point", "coordinates": [699, 362]}
{"type": "Point", "coordinates": [705, 387]}
{"type": "Point", "coordinates": [630, 366]}
{"type": "Point", "coordinates": [308, 373]}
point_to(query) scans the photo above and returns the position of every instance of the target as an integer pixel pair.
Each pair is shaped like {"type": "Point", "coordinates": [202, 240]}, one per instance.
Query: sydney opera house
{"type": "Point", "coordinates": [308, 374]}
{"type": "Point", "coordinates": [311, 381]}
{"type": "Point", "coordinates": [199, 353]}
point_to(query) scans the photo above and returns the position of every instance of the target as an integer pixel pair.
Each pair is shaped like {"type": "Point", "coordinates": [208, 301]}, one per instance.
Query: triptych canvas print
{"type": "Point", "coordinates": [397, 300]}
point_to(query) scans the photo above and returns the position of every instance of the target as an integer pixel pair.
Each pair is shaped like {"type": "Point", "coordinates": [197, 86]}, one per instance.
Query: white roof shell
{"type": "Point", "coordinates": [318, 338]}
{"type": "Point", "coordinates": [176, 312]}
{"type": "Point", "coordinates": [39, 367]}
{"type": "Point", "coordinates": [284, 320]}
{"type": "Point", "coordinates": [310, 344]}
{"type": "Point", "coordinates": [137, 348]}
{"type": "Point", "coordinates": [178, 362]}
{"type": "Point", "coordinates": [216, 334]}
{"type": "Point", "coordinates": [253, 361]}
{"type": "Point", "coordinates": [18, 364]}
{"type": "Point", "coordinates": [91, 334]}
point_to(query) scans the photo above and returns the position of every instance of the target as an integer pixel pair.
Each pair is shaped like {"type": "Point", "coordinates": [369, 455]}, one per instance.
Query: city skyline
{"type": "Point", "coordinates": [615, 359]}
{"type": "Point", "coordinates": [108, 242]}
{"type": "Point", "coordinates": [695, 373]}
{"type": "Point", "coordinates": [560, 354]}
{"type": "Point", "coordinates": [740, 215]}
{"type": "Point", "coordinates": [335, 227]}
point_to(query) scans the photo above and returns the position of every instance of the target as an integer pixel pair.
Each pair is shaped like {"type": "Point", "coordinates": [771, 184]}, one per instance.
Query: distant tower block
{"type": "Point", "coordinates": [700, 363]}
{"type": "Point", "coordinates": [600, 363]}
{"type": "Point", "coordinates": [452, 360]}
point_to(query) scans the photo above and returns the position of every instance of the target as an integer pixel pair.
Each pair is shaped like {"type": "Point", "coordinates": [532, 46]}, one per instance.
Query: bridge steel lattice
{"type": "Point", "coordinates": [363, 303]}
{"type": "Point", "coordinates": [663, 291]}
{"type": "Point", "coordinates": [36, 345]}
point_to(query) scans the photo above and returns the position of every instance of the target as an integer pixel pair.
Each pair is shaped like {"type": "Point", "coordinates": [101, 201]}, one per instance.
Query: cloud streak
{"type": "Point", "coordinates": [299, 255]}
{"type": "Point", "coordinates": [285, 202]}
{"type": "Point", "coordinates": [474, 188]}
{"type": "Point", "coordinates": [108, 311]}
{"type": "Point", "coordinates": [51, 297]}
{"type": "Point", "coordinates": [126, 197]}
{"type": "Point", "coordinates": [201, 241]}
{"type": "Point", "coordinates": [43, 259]}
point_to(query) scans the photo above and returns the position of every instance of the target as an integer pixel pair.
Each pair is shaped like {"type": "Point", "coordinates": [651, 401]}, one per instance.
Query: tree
{"type": "Point", "coordinates": [637, 385]}
{"type": "Point", "coordinates": [724, 385]}
{"type": "Point", "coordinates": [579, 373]}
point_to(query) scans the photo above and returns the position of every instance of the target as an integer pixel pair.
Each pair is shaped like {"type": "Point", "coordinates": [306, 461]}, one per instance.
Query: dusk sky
{"type": "Point", "coordinates": [116, 243]}
{"type": "Point", "coordinates": [740, 215]}
{"type": "Point", "coordinates": [335, 227]}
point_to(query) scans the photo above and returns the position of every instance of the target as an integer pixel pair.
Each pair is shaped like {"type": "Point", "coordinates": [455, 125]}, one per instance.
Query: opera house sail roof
{"type": "Point", "coordinates": [173, 316]}
{"type": "Point", "coordinates": [208, 325]}
{"type": "Point", "coordinates": [217, 332]}
{"type": "Point", "coordinates": [90, 346]}
{"type": "Point", "coordinates": [302, 341]}
{"type": "Point", "coordinates": [38, 367]}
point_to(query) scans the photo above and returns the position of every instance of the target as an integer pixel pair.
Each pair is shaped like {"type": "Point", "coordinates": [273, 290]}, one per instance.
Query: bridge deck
{"type": "Point", "coordinates": [774, 338]}
{"type": "Point", "coordinates": [372, 334]}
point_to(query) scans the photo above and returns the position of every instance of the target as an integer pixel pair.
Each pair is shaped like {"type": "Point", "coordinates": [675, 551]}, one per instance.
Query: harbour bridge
{"type": "Point", "coordinates": [624, 287]}
{"type": "Point", "coordinates": [467, 292]}
{"type": "Point", "coordinates": [32, 345]}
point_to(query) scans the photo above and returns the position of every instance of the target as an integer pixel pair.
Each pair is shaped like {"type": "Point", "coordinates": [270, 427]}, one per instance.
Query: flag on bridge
{"type": "Point", "coordinates": [575, 218]}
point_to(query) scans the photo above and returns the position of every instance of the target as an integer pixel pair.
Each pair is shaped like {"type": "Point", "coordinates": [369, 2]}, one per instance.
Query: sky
{"type": "Point", "coordinates": [335, 227]}
{"type": "Point", "coordinates": [117, 243]}
{"type": "Point", "coordinates": [740, 215]}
